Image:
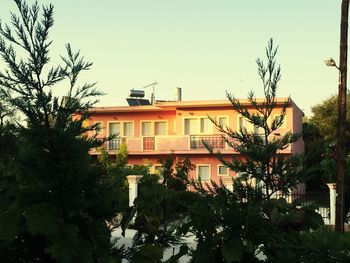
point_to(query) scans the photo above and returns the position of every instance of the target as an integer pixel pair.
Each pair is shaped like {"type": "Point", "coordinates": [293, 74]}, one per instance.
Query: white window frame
{"type": "Point", "coordinates": [250, 125]}
{"type": "Point", "coordinates": [166, 127]}
{"type": "Point", "coordinates": [227, 171]}
{"type": "Point", "coordinates": [121, 134]}
{"type": "Point", "coordinates": [153, 128]}
{"type": "Point", "coordinates": [197, 171]}
{"type": "Point", "coordinates": [183, 125]}
{"type": "Point", "coordinates": [227, 120]}
{"type": "Point", "coordinates": [210, 128]}
{"type": "Point", "coordinates": [132, 128]}
{"type": "Point", "coordinates": [198, 127]}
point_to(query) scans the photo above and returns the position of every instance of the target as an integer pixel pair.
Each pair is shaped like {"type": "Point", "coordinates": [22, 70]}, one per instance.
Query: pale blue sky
{"type": "Point", "coordinates": [203, 46]}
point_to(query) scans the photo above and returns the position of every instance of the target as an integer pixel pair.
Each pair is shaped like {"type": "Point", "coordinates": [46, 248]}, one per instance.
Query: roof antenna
{"type": "Point", "coordinates": [153, 96]}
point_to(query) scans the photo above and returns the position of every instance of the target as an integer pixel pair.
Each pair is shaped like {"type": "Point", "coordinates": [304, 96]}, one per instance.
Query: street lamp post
{"type": "Point", "coordinates": [341, 127]}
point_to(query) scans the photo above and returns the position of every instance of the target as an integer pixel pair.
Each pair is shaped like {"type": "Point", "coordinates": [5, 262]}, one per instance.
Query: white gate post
{"type": "Point", "coordinates": [133, 181]}
{"type": "Point", "coordinates": [228, 182]}
{"type": "Point", "coordinates": [332, 197]}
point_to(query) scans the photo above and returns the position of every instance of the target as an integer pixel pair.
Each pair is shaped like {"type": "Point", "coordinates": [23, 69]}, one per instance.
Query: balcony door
{"type": "Point", "coordinates": [114, 129]}
{"type": "Point", "coordinates": [191, 126]}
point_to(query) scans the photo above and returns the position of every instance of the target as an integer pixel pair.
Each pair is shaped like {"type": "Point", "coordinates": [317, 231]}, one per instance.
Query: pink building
{"type": "Point", "coordinates": [154, 131]}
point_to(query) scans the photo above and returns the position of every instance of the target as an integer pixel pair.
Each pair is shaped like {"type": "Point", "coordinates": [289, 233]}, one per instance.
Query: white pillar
{"type": "Point", "coordinates": [133, 181]}
{"type": "Point", "coordinates": [332, 197]}
{"type": "Point", "coordinates": [228, 182]}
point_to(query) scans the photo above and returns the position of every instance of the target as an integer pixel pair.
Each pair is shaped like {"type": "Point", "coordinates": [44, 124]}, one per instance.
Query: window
{"type": "Point", "coordinates": [205, 125]}
{"type": "Point", "coordinates": [114, 129]}
{"type": "Point", "coordinates": [121, 129]}
{"type": "Point", "coordinates": [278, 118]}
{"type": "Point", "coordinates": [160, 128]}
{"type": "Point", "coordinates": [147, 128]}
{"type": "Point", "coordinates": [191, 126]}
{"type": "Point", "coordinates": [222, 121]}
{"type": "Point", "coordinates": [251, 128]}
{"type": "Point", "coordinates": [259, 130]}
{"type": "Point", "coordinates": [223, 170]}
{"type": "Point", "coordinates": [243, 123]}
{"type": "Point", "coordinates": [203, 172]}
{"type": "Point", "coordinates": [128, 129]}
{"type": "Point", "coordinates": [152, 128]}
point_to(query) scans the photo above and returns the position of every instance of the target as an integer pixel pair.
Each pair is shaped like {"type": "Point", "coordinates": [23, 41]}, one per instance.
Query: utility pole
{"type": "Point", "coordinates": [341, 129]}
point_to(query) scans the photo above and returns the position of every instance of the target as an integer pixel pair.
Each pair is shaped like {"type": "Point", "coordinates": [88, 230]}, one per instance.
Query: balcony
{"type": "Point", "coordinates": [184, 144]}
{"type": "Point", "coordinates": [148, 143]}
{"type": "Point", "coordinates": [114, 144]}
{"type": "Point", "coordinates": [213, 141]}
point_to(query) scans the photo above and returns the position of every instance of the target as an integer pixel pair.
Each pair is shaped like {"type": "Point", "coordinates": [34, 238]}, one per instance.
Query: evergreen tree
{"type": "Point", "coordinates": [259, 158]}
{"type": "Point", "coordinates": [162, 204]}
{"type": "Point", "coordinates": [55, 205]}
{"type": "Point", "coordinates": [245, 224]}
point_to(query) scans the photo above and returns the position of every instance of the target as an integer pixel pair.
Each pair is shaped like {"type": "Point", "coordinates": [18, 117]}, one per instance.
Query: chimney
{"type": "Point", "coordinates": [178, 94]}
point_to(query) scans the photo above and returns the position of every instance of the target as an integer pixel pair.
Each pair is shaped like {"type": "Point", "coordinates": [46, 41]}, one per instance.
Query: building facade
{"type": "Point", "coordinates": [152, 132]}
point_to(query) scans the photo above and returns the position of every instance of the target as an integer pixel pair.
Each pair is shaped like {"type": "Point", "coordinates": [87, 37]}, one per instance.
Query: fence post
{"type": "Point", "coordinates": [332, 200]}
{"type": "Point", "coordinates": [133, 181]}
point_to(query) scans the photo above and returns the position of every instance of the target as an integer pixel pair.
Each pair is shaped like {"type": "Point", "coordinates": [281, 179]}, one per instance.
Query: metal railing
{"type": "Point", "coordinates": [318, 199]}
{"type": "Point", "coordinates": [148, 143]}
{"type": "Point", "coordinates": [213, 141]}
{"type": "Point", "coordinates": [114, 144]}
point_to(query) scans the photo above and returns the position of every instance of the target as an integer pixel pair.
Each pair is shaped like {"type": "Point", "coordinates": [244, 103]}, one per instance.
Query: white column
{"type": "Point", "coordinates": [332, 197]}
{"type": "Point", "coordinates": [133, 181]}
{"type": "Point", "coordinates": [228, 182]}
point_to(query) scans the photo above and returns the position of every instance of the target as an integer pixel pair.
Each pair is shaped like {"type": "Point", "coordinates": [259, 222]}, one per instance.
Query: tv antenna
{"type": "Point", "coordinates": [153, 98]}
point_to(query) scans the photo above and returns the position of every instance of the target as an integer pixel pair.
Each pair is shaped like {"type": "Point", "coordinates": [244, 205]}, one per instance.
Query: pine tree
{"type": "Point", "coordinates": [55, 206]}
{"type": "Point", "coordinates": [259, 158]}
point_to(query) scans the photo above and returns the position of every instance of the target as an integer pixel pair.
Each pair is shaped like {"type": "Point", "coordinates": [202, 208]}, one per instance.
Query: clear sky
{"type": "Point", "coordinates": [203, 46]}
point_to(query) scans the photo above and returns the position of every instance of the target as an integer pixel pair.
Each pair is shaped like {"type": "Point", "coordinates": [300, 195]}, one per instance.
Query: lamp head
{"type": "Point", "coordinates": [330, 62]}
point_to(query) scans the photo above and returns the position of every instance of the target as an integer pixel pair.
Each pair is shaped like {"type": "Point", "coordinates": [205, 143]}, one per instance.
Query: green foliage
{"type": "Point", "coordinates": [148, 254]}
{"type": "Point", "coordinates": [7, 111]}
{"type": "Point", "coordinates": [224, 226]}
{"type": "Point", "coordinates": [118, 171]}
{"type": "Point", "coordinates": [322, 147]}
{"type": "Point", "coordinates": [247, 224]}
{"type": "Point", "coordinates": [325, 118]}
{"type": "Point", "coordinates": [230, 229]}
{"type": "Point", "coordinates": [64, 249]}
{"type": "Point", "coordinates": [175, 172]}
{"type": "Point", "coordinates": [54, 203]}
{"type": "Point", "coordinates": [316, 151]}
{"type": "Point", "coordinates": [259, 158]}
{"type": "Point", "coordinates": [122, 156]}
{"type": "Point", "coordinates": [290, 217]}
{"type": "Point", "coordinates": [323, 245]}
{"type": "Point", "coordinates": [162, 203]}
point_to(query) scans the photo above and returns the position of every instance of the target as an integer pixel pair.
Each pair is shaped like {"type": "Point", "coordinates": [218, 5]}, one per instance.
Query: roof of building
{"type": "Point", "coordinates": [173, 105]}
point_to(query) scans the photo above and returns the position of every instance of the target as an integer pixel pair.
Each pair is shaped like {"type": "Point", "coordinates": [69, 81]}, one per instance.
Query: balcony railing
{"type": "Point", "coordinates": [213, 141]}
{"type": "Point", "coordinates": [114, 144]}
{"type": "Point", "coordinates": [148, 143]}
{"type": "Point", "coordinates": [176, 143]}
